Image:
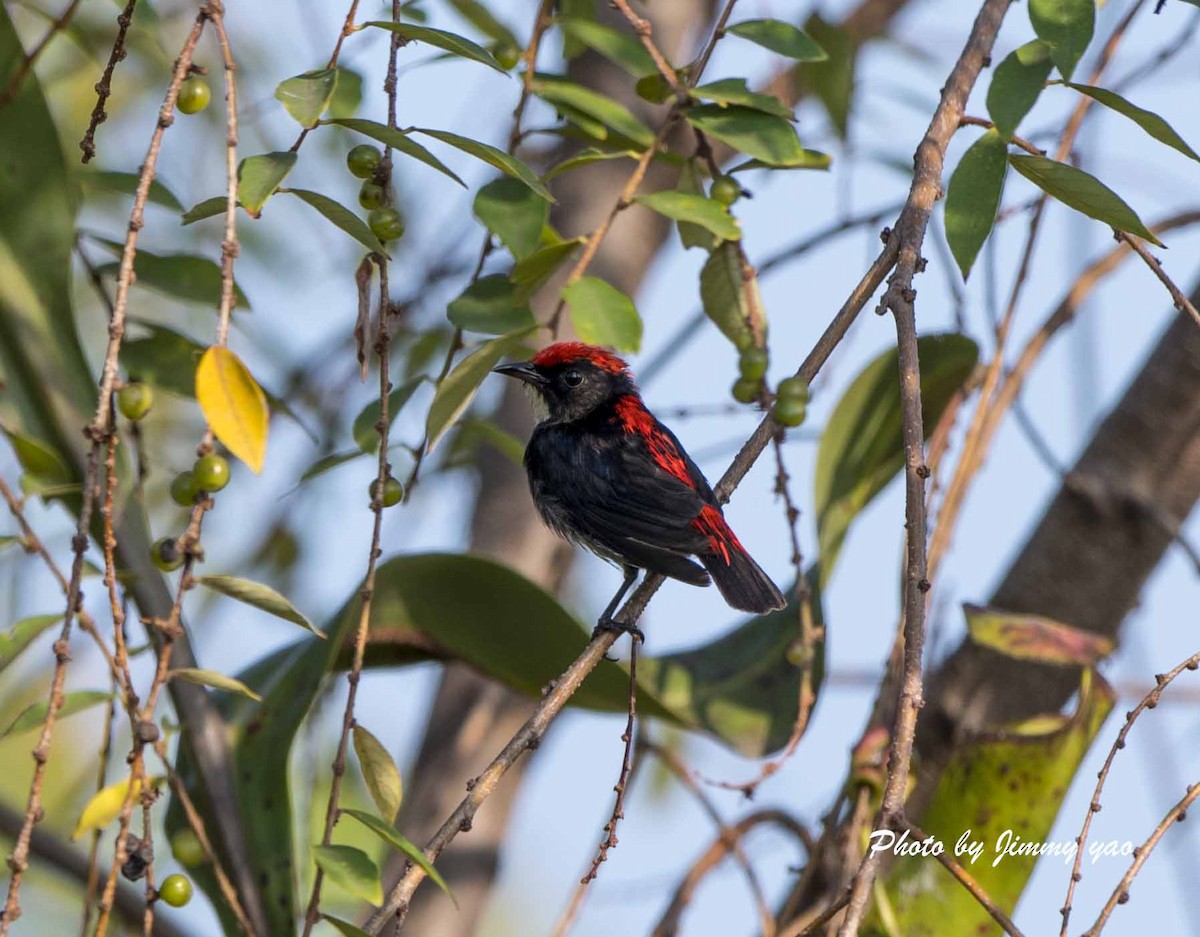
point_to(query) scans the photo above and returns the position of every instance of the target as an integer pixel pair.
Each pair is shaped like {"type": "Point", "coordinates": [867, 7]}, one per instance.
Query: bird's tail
{"type": "Point", "coordinates": [741, 580]}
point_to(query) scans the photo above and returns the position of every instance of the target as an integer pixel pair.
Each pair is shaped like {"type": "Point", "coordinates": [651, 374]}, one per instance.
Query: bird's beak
{"type": "Point", "coordinates": [523, 371]}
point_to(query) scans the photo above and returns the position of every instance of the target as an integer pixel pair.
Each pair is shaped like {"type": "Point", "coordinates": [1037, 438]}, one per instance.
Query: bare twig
{"type": "Point", "coordinates": [618, 812]}
{"type": "Point", "coordinates": [97, 432]}
{"type": "Point", "coordinates": [1178, 297]}
{"type": "Point", "coordinates": [1141, 853]}
{"type": "Point", "coordinates": [1149, 701]}
{"type": "Point", "coordinates": [968, 882]}
{"type": "Point", "coordinates": [104, 86]}
{"type": "Point", "coordinates": [727, 842]}
{"type": "Point", "coordinates": [727, 833]}
{"type": "Point", "coordinates": [13, 88]}
{"type": "Point", "coordinates": [899, 298]}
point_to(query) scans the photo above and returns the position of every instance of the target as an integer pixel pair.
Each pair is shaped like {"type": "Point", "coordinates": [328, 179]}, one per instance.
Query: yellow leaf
{"type": "Point", "coordinates": [105, 806]}
{"type": "Point", "coordinates": [234, 405]}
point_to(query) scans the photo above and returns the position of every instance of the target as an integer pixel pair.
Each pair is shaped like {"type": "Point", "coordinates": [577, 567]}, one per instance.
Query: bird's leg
{"type": "Point", "coordinates": [607, 623]}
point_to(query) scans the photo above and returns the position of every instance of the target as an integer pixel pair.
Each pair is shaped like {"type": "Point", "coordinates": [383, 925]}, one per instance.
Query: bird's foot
{"type": "Point", "coordinates": [607, 624]}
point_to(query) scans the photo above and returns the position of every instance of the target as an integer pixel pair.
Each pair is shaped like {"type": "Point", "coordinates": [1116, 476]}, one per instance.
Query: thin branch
{"type": "Point", "coordinates": [13, 88]}
{"type": "Point", "coordinates": [899, 298]}
{"type": "Point", "coordinates": [618, 812]}
{"type": "Point", "coordinates": [964, 878]}
{"type": "Point", "coordinates": [1149, 701]}
{"type": "Point", "coordinates": [97, 432]}
{"type": "Point", "coordinates": [104, 86]}
{"type": "Point", "coordinates": [728, 842]}
{"type": "Point", "coordinates": [1178, 297]}
{"type": "Point", "coordinates": [1120, 895]}
{"type": "Point", "coordinates": [727, 834]}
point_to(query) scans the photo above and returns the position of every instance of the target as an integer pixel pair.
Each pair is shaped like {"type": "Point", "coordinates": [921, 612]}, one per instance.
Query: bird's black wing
{"type": "Point", "coordinates": [607, 490]}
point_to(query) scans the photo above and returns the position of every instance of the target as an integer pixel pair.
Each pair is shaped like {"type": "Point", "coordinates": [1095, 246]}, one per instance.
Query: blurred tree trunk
{"type": "Point", "coordinates": [471, 718]}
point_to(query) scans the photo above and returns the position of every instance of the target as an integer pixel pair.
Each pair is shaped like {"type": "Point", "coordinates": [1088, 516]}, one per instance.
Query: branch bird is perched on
{"type": "Point", "coordinates": [606, 474]}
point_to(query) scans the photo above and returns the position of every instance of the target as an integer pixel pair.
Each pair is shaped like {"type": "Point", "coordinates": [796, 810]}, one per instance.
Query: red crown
{"type": "Point", "coordinates": [564, 352]}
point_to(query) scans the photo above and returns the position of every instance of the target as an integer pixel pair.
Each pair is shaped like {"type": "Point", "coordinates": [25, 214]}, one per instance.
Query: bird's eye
{"type": "Point", "coordinates": [572, 378]}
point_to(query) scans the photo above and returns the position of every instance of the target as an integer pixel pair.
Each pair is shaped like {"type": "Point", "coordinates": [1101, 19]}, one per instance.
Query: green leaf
{"type": "Point", "coordinates": [259, 596]}
{"type": "Point", "coordinates": [352, 869]}
{"type": "Point", "coordinates": [329, 462]}
{"type": "Point", "coordinates": [164, 358]}
{"type": "Point", "coordinates": [653, 88]}
{"type": "Point", "coordinates": [586, 158]}
{"type": "Point", "coordinates": [499, 439]}
{"type": "Point", "coordinates": [260, 176]}
{"type": "Point", "coordinates": [603, 315]}
{"type": "Point", "coordinates": [126, 183]}
{"type": "Point", "coordinates": [1016, 84]}
{"type": "Point", "coordinates": [742, 688]}
{"type": "Point", "coordinates": [1033, 637]}
{"type": "Point", "coordinates": [450, 42]}
{"type": "Point", "coordinates": [697, 209]}
{"type": "Point", "coordinates": [514, 213]}
{"type": "Point", "coordinates": [482, 19]}
{"type": "Point", "coordinates": [621, 49]}
{"type": "Point", "coordinates": [210, 678]}
{"type": "Point", "coordinates": [209, 208]}
{"type": "Point", "coordinates": [307, 95]}
{"type": "Point", "coordinates": [1083, 192]}
{"type": "Point", "coordinates": [509, 165]}
{"type": "Point", "coordinates": [490, 305]}
{"type": "Point", "coordinates": [694, 235]}
{"type": "Point", "coordinates": [396, 140]}
{"type": "Point", "coordinates": [1154, 125]}
{"type": "Point", "coordinates": [734, 91]}
{"type": "Point", "coordinates": [811, 159]}
{"type": "Point", "coordinates": [1066, 26]}
{"type": "Point", "coordinates": [49, 388]}
{"type": "Point", "coordinates": [392, 837]}
{"type": "Point", "coordinates": [973, 197]}
{"type": "Point", "coordinates": [22, 634]}
{"type": "Point", "coordinates": [832, 82]}
{"type": "Point", "coordinates": [557, 90]}
{"type": "Point", "coordinates": [530, 273]}
{"type": "Point", "coordinates": [780, 37]}
{"type": "Point", "coordinates": [458, 389]}
{"type": "Point", "coordinates": [763, 136]}
{"type": "Point", "coordinates": [183, 276]}
{"type": "Point", "coordinates": [379, 772]}
{"type": "Point", "coordinates": [862, 449]}
{"type": "Point", "coordinates": [341, 217]}
{"type": "Point", "coordinates": [723, 294]}
{"type": "Point", "coordinates": [347, 94]}
{"type": "Point", "coordinates": [1007, 782]}
{"type": "Point", "coordinates": [32, 716]}
{"type": "Point", "coordinates": [348, 929]}
{"type": "Point", "coordinates": [38, 459]}
{"type": "Point", "coordinates": [364, 432]}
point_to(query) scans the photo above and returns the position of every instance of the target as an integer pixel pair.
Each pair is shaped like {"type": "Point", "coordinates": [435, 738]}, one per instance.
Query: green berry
{"type": "Point", "coordinates": [134, 400]}
{"type": "Point", "coordinates": [186, 848]}
{"type": "Point", "coordinates": [176, 890]}
{"type": "Point", "coordinates": [363, 160]}
{"type": "Point", "coordinates": [393, 491]}
{"type": "Point", "coordinates": [508, 56]}
{"type": "Point", "coordinates": [194, 95]}
{"type": "Point", "coordinates": [725, 190]}
{"type": "Point", "coordinates": [793, 388]}
{"type": "Point", "coordinates": [753, 364]}
{"type": "Point", "coordinates": [791, 402]}
{"type": "Point", "coordinates": [210, 473]}
{"type": "Point", "coordinates": [386, 223]}
{"type": "Point", "coordinates": [183, 489]}
{"type": "Point", "coordinates": [745, 390]}
{"type": "Point", "coordinates": [166, 555]}
{"type": "Point", "coordinates": [372, 195]}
